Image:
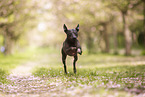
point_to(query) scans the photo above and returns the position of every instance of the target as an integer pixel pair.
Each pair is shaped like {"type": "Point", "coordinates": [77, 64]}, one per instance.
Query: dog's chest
{"type": "Point", "coordinates": [72, 51]}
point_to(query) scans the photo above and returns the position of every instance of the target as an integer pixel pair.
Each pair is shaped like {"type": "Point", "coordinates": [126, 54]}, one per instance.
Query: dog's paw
{"type": "Point", "coordinates": [79, 51]}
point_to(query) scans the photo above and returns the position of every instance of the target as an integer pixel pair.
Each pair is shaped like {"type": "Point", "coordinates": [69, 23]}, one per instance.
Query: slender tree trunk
{"type": "Point", "coordinates": [144, 22]}
{"type": "Point", "coordinates": [89, 44]}
{"type": "Point", "coordinates": [8, 44]}
{"type": "Point", "coordinates": [107, 47]}
{"type": "Point", "coordinates": [115, 38]}
{"type": "Point", "coordinates": [127, 34]}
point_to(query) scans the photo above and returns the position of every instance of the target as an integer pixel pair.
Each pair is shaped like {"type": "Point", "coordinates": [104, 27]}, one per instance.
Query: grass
{"type": "Point", "coordinates": [124, 76]}
{"type": "Point", "coordinates": [3, 76]}
{"type": "Point", "coordinates": [100, 72]}
{"type": "Point", "coordinates": [9, 62]}
{"type": "Point", "coordinates": [116, 78]}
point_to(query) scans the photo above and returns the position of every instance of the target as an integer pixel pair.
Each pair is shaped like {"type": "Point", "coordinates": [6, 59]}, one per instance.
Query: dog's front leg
{"type": "Point", "coordinates": [74, 63]}
{"type": "Point", "coordinates": [63, 60]}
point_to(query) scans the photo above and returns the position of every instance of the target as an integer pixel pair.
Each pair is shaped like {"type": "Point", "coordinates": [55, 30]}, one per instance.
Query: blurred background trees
{"type": "Point", "coordinates": [14, 18]}
{"type": "Point", "coordinates": [105, 26]}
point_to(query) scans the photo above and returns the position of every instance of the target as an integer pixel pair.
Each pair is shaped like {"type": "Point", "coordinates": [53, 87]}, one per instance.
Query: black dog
{"type": "Point", "coordinates": [71, 46]}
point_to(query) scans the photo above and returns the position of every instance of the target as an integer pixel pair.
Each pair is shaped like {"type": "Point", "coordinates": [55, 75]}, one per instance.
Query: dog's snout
{"type": "Point", "coordinates": [74, 37]}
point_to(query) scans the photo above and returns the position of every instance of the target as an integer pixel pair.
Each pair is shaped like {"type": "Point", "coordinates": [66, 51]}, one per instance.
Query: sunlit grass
{"type": "Point", "coordinates": [100, 71]}
{"type": "Point", "coordinates": [9, 62]}
{"type": "Point", "coordinates": [96, 73]}
{"type": "Point", "coordinates": [117, 77]}
{"type": "Point", "coordinates": [3, 75]}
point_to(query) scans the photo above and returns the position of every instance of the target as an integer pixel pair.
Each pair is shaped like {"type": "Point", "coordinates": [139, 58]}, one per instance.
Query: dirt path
{"type": "Point", "coordinates": [23, 84]}
{"type": "Point", "coordinates": [23, 70]}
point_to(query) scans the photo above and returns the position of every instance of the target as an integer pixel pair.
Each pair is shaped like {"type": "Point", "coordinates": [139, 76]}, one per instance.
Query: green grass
{"type": "Point", "coordinates": [104, 73]}
{"type": "Point", "coordinates": [3, 75]}
{"type": "Point", "coordinates": [101, 72]}
{"type": "Point", "coordinates": [118, 78]}
{"type": "Point", "coordinates": [9, 62]}
{"type": "Point", "coordinates": [125, 76]}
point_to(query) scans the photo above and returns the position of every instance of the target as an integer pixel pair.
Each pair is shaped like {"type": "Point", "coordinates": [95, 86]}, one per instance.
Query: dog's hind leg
{"type": "Point", "coordinates": [63, 60]}
{"type": "Point", "coordinates": [74, 63]}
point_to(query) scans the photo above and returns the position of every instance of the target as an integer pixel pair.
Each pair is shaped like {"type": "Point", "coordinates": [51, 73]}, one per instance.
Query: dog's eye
{"type": "Point", "coordinates": [76, 33]}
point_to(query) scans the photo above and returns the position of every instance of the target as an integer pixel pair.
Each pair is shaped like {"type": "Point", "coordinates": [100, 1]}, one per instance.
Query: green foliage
{"type": "Point", "coordinates": [137, 26]}
{"type": "Point", "coordinates": [21, 20]}
{"type": "Point", "coordinates": [15, 21]}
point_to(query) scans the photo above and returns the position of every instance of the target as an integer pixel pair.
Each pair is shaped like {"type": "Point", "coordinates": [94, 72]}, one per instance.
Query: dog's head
{"type": "Point", "coordinates": [72, 34]}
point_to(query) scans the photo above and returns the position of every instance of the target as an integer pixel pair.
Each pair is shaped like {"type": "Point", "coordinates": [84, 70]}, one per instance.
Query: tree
{"type": "Point", "coordinates": [124, 6]}
{"type": "Point", "coordinates": [14, 15]}
{"type": "Point", "coordinates": [144, 20]}
{"type": "Point", "coordinates": [90, 19]}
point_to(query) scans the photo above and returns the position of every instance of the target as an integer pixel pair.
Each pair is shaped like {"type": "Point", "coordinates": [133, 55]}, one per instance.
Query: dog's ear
{"type": "Point", "coordinates": [65, 28]}
{"type": "Point", "coordinates": [77, 28]}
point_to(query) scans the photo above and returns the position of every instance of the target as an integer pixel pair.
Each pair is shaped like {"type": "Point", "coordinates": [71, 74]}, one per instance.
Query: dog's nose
{"type": "Point", "coordinates": [74, 37]}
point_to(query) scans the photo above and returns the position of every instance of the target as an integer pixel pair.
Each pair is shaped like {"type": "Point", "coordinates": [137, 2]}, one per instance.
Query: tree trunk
{"type": "Point", "coordinates": [144, 22]}
{"type": "Point", "coordinates": [107, 48]}
{"type": "Point", "coordinates": [8, 44]}
{"type": "Point", "coordinates": [115, 38]}
{"type": "Point", "coordinates": [89, 44]}
{"type": "Point", "coordinates": [127, 34]}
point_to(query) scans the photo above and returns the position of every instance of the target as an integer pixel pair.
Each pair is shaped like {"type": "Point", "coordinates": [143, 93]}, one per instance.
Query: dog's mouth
{"type": "Point", "coordinates": [74, 39]}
